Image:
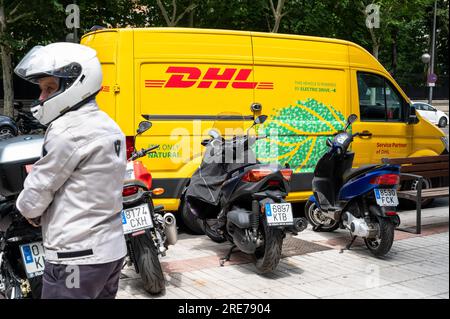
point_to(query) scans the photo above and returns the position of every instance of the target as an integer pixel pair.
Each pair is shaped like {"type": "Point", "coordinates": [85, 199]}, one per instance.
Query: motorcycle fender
{"type": "Point", "coordinates": [380, 212]}
{"type": "Point", "coordinates": [312, 198]}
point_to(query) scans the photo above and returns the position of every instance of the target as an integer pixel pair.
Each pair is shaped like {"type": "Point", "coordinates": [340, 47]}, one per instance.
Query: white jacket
{"type": "Point", "coordinates": [76, 188]}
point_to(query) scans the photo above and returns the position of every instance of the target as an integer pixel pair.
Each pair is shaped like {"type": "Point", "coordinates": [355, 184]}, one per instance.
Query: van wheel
{"type": "Point", "coordinates": [442, 122]}
{"type": "Point", "coordinates": [412, 185]}
{"type": "Point", "coordinates": [193, 223]}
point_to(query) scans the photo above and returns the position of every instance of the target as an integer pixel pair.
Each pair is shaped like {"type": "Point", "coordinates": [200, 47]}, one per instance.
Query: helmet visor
{"type": "Point", "coordinates": [40, 62]}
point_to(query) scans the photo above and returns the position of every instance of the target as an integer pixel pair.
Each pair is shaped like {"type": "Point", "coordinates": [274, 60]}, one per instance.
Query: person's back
{"type": "Point", "coordinates": [88, 202]}
{"type": "Point", "coordinates": [75, 189]}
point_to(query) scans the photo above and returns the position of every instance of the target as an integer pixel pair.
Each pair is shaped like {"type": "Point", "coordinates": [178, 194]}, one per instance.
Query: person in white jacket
{"type": "Point", "coordinates": [74, 191]}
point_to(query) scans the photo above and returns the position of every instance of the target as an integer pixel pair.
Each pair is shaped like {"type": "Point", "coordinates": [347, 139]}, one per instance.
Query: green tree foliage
{"type": "Point", "coordinates": [404, 33]}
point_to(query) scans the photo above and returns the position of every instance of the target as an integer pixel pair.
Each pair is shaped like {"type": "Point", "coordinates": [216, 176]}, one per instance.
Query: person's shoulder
{"type": "Point", "coordinates": [59, 136]}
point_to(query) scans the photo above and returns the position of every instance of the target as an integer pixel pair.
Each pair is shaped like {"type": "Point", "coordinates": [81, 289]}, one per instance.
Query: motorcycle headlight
{"type": "Point", "coordinates": [444, 140]}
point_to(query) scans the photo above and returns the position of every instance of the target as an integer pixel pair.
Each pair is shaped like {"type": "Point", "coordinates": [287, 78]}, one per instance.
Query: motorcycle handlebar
{"type": "Point", "coordinates": [143, 152]}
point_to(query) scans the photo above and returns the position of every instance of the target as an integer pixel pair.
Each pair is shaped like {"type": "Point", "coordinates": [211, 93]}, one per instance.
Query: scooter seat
{"type": "Point", "coordinates": [351, 173]}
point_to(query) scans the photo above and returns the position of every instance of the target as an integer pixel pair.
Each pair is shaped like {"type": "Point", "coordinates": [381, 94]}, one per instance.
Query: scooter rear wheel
{"type": "Point", "coordinates": [268, 256]}
{"type": "Point", "coordinates": [381, 245]}
{"type": "Point", "coordinates": [319, 222]}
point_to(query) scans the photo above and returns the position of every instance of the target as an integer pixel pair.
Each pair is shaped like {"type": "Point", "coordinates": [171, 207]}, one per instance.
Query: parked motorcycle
{"type": "Point", "coordinates": [26, 122]}
{"type": "Point", "coordinates": [362, 200]}
{"type": "Point", "coordinates": [148, 232]}
{"type": "Point", "coordinates": [241, 200]}
{"type": "Point", "coordinates": [21, 251]}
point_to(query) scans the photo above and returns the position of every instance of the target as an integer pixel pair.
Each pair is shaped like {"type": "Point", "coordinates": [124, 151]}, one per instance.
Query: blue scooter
{"type": "Point", "coordinates": [362, 200]}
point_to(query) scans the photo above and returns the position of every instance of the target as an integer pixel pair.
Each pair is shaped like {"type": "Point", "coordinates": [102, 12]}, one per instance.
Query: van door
{"type": "Point", "coordinates": [105, 44]}
{"type": "Point", "coordinates": [382, 119]}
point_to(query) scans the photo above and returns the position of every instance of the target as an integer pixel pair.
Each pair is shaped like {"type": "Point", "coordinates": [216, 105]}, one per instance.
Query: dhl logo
{"type": "Point", "coordinates": [217, 78]}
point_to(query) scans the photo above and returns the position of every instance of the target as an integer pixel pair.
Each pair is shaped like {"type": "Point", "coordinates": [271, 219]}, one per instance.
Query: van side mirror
{"type": "Point", "coordinates": [412, 115]}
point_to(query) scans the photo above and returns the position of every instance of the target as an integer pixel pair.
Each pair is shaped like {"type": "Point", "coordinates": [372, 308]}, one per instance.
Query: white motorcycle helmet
{"type": "Point", "coordinates": [77, 68]}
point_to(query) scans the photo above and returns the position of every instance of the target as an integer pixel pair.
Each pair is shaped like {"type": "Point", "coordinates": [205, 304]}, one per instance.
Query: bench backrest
{"type": "Point", "coordinates": [427, 166]}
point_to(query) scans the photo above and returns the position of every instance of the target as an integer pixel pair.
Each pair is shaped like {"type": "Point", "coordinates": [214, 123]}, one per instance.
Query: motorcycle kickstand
{"type": "Point", "coordinates": [347, 247]}
{"type": "Point", "coordinates": [227, 257]}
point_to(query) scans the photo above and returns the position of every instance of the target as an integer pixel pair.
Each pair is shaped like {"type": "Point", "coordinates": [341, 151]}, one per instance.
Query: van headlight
{"type": "Point", "coordinates": [444, 140]}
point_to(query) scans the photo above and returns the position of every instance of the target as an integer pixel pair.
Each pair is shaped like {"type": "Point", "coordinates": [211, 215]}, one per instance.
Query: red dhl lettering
{"type": "Point", "coordinates": [104, 89]}
{"type": "Point", "coordinates": [216, 78]}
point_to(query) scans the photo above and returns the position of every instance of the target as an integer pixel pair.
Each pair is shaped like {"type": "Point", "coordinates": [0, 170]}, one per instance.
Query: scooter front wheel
{"type": "Point", "coordinates": [381, 245]}
{"type": "Point", "coordinates": [318, 221]}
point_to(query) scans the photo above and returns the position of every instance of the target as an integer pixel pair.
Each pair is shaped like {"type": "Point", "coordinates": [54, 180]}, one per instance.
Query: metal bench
{"type": "Point", "coordinates": [418, 168]}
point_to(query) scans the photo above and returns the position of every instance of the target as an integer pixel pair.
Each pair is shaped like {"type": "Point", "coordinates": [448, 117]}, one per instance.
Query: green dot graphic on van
{"type": "Point", "coordinates": [296, 134]}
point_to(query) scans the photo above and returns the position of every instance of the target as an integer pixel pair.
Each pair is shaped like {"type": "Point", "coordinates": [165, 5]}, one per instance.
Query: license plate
{"type": "Point", "coordinates": [136, 218]}
{"type": "Point", "coordinates": [33, 256]}
{"type": "Point", "coordinates": [279, 214]}
{"type": "Point", "coordinates": [386, 197]}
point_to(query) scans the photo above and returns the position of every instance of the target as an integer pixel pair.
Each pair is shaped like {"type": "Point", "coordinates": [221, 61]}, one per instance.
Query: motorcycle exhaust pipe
{"type": "Point", "coordinates": [170, 229]}
{"type": "Point", "coordinates": [300, 224]}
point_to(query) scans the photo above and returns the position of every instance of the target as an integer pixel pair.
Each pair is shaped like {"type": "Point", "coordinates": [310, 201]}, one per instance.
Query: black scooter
{"type": "Point", "coordinates": [241, 200]}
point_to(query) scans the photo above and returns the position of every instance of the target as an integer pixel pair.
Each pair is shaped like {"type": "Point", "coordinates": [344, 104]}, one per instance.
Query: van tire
{"type": "Point", "coordinates": [412, 185]}
{"type": "Point", "coordinates": [442, 122]}
{"type": "Point", "coordinates": [147, 260]}
{"type": "Point", "coordinates": [193, 223]}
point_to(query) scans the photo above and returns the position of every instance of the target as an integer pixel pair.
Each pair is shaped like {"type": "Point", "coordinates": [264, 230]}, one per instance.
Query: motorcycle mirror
{"type": "Point", "coordinates": [143, 126]}
{"type": "Point", "coordinates": [260, 119]}
{"type": "Point", "coordinates": [351, 119]}
{"type": "Point", "coordinates": [214, 134]}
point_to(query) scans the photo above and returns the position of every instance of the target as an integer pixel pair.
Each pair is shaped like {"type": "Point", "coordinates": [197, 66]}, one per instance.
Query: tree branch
{"type": "Point", "coordinates": [272, 7]}
{"type": "Point", "coordinates": [188, 9]}
{"type": "Point", "coordinates": [174, 13]}
{"type": "Point", "coordinates": [20, 16]}
{"type": "Point", "coordinates": [13, 11]}
{"type": "Point", "coordinates": [164, 12]}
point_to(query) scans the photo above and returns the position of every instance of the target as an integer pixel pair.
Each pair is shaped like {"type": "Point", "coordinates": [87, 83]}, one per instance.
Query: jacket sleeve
{"type": "Point", "coordinates": [61, 157]}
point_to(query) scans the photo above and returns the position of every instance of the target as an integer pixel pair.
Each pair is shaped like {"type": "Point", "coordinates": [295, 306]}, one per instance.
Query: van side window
{"type": "Point", "coordinates": [378, 99]}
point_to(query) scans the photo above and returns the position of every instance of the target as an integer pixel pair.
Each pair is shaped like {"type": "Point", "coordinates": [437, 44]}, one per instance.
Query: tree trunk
{"type": "Point", "coordinates": [375, 49]}
{"type": "Point", "coordinates": [191, 16]}
{"type": "Point", "coordinates": [8, 98]}
{"type": "Point", "coordinates": [8, 91]}
{"type": "Point", "coordinates": [394, 52]}
{"type": "Point", "coordinates": [277, 13]}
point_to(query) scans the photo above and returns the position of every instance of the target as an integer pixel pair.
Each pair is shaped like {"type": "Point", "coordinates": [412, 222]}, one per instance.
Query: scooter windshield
{"type": "Point", "coordinates": [222, 155]}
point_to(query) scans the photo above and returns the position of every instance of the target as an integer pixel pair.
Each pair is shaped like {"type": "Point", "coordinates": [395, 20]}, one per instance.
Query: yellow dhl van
{"type": "Point", "coordinates": [182, 79]}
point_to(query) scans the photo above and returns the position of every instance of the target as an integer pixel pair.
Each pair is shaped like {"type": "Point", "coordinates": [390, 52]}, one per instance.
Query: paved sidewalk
{"type": "Point", "coordinates": [416, 267]}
